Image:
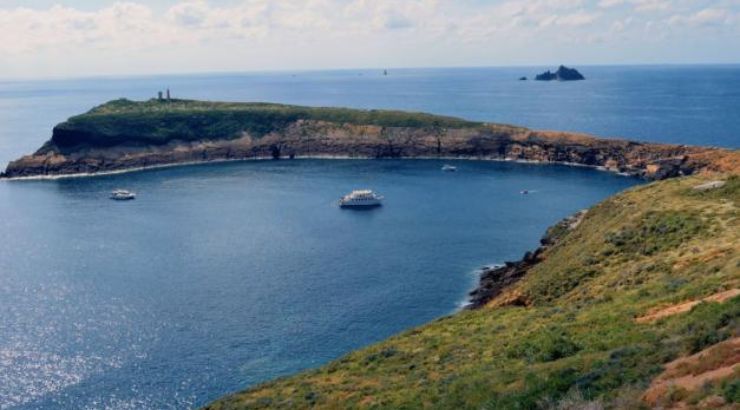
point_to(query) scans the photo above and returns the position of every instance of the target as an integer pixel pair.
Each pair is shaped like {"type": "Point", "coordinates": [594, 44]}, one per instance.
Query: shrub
{"type": "Point", "coordinates": [656, 232]}
{"type": "Point", "coordinates": [545, 346]}
{"type": "Point", "coordinates": [628, 365]}
{"type": "Point", "coordinates": [731, 390]}
{"type": "Point", "coordinates": [710, 323]}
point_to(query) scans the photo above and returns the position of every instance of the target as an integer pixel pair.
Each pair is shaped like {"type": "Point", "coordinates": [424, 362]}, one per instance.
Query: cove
{"type": "Point", "coordinates": [221, 276]}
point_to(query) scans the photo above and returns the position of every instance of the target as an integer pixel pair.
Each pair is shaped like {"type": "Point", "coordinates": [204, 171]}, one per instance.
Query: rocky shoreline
{"type": "Point", "coordinates": [493, 281]}
{"type": "Point", "coordinates": [123, 135]}
{"type": "Point", "coordinates": [320, 139]}
{"type": "Point", "coordinates": [69, 154]}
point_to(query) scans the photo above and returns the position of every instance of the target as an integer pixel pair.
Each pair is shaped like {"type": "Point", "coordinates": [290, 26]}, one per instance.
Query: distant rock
{"type": "Point", "coordinates": [522, 78]}
{"type": "Point", "coordinates": [563, 74]}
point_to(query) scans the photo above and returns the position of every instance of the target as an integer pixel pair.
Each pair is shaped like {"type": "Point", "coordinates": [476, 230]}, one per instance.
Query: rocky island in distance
{"type": "Point", "coordinates": [563, 73]}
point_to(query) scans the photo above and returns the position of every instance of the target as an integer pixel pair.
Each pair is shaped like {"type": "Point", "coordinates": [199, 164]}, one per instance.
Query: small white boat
{"type": "Point", "coordinates": [360, 198]}
{"type": "Point", "coordinates": [524, 192]}
{"type": "Point", "coordinates": [449, 168]}
{"type": "Point", "coordinates": [122, 195]}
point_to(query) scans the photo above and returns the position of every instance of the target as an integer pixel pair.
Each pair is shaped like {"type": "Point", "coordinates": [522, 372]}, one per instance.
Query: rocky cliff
{"type": "Point", "coordinates": [563, 73]}
{"type": "Point", "coordinates": [118, 140]}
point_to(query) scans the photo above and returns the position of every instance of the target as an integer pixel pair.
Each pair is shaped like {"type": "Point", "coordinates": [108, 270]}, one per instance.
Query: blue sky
{"type": "Point", "coordinates": [43, 38]}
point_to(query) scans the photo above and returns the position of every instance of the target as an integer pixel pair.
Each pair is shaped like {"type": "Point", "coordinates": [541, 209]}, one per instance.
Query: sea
{"type": "Point", "coordinates": [221, 276]}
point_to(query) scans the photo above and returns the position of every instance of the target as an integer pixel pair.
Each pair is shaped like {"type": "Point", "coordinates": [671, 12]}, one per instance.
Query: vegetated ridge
{"type": "Point", "coordinates": [124, 135]}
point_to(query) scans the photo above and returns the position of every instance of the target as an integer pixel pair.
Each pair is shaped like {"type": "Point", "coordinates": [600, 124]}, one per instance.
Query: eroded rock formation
{"type": "Point", "coordinates": [310, 138]}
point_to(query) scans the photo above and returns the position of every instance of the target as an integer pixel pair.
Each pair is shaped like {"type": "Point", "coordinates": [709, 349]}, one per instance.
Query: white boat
{"type": "Point", "coordinates": [122, 195]}
{"type": "Point", "coordinates": [361, 198]}
{"type": "Point", "coordinates": [449, 168]}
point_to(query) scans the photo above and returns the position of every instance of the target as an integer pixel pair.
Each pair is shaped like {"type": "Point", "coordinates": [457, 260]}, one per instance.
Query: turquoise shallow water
{"type": "Point", "coordinates": [220, 276]}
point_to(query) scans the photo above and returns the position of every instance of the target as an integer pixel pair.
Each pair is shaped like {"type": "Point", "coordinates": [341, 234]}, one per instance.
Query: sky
{"type": "Point", "coordinates": [56, 38]}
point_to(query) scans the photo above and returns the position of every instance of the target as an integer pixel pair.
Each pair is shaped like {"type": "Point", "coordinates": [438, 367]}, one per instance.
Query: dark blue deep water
{"type": "Point", "coordinates": [220, 276]}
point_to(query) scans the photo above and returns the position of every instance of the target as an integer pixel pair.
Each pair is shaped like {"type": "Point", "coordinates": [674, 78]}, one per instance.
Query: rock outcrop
{"type": "Point", "coordinates": [494, 280]}
{"type": "Point", "coordinates": [562, 74]}
{"type": "Point", "coordinates": [320, 138]}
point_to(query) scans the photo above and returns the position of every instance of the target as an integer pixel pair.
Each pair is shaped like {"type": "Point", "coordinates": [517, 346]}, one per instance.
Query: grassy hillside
{"type": "Point", "coordinates": [160, 121]}
{"type": "Point", "coordinates": [573, 331]}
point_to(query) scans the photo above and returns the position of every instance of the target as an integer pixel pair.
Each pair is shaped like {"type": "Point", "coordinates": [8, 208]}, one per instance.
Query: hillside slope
{"type": "Point", "coordinates": [124, 135]}
{"type": "Point", "coordinates": [636, 306]}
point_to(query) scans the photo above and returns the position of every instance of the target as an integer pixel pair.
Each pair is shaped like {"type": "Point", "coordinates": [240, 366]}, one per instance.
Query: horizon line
{"type": "Point", "coordinates": [339, 69]}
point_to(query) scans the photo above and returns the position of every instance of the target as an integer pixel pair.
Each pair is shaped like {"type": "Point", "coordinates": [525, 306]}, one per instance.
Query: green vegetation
{"type": "Point", "coordinates": [655, 232]}
{"type": "Point", "coordinates": [576, 342]}
{"type": "Point", "coordinates": [545, 345]}
{"type": "Point", "coordinates": [729, 192]}
{"type": "Point", "coordinates": [160, 121]}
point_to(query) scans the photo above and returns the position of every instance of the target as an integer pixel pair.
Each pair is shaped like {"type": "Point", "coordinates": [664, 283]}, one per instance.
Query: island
{"type": "Point", "coordinates": [563, 73]}
{"type": "Point", "coordinates": [124, 135]}
{"type": "Point", "coordinates": [632, 303]}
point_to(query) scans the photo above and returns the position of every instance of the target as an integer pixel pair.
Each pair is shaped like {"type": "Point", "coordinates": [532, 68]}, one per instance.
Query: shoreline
{"type": "Point", "coordinates": [495, 279]}
{"type": "Point", "coordinates": [561, 296]}
{"type": "Point", "coordinates": [51, 177]}
{"type": "Point", "coordinates": [475, 275]}
{"type": "Point", "coordinates": [127, 136]}
{"type": "Point", "coordinates": [499, 275]}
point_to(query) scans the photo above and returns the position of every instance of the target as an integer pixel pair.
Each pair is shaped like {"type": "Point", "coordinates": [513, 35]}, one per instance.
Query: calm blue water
{"type": "Point", "coordinates": [221, 276]}
{"type": "Point", "coordinates": [698, 105]}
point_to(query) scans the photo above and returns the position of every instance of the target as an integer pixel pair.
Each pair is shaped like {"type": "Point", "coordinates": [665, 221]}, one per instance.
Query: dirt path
{"type": "Point", "coordinates": [691, 373]}
{"type": "Point", "coordinates": [686, 306]}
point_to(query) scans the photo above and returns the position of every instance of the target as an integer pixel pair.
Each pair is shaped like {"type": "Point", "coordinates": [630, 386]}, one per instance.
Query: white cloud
{"type": "Point", "coordinates": [580, 18]}
{"type": "Point", "coordinates": [189, 13]}
{"type": "Point", "coordinates": [651, 5]}
{"type": "Point", "coordinates": [638, 5]}
{"type": "Point", "coordinates": [704, 17]}
{"type": "Point", "coordinates": [710, 16]}
{"type": "Point", "coordinates": [290, 33]}
{"type": "Point", "coordinates": [122, 24]}
{"type": "Point", "coordinates": [610, 3]}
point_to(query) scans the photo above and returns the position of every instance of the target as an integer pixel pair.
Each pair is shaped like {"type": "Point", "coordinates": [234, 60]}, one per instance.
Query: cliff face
{"type": "Point", "coordinates": [317, 138]}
